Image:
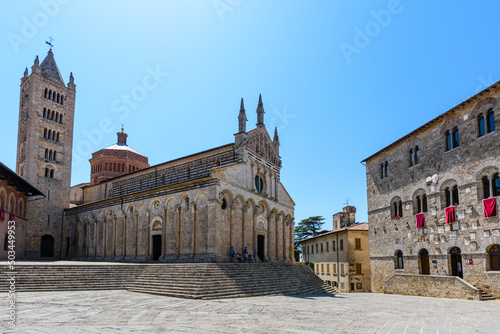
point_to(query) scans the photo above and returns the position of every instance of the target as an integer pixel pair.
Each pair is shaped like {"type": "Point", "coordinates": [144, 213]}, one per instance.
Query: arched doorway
{"type": "Point", "coordinates": [156, 247]}
{"type": "Point", "coordinates": [423, 258]}
{"type": "Point", "coordinates": [261, 247]}
{"type": "Point", "coordinates": [456, 262]}
{"type": "Point", "coordinates": [47, 246]}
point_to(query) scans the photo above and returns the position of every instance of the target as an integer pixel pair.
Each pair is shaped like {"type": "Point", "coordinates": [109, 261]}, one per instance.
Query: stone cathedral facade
{"type": "Point", "coordinates": [191, 209]}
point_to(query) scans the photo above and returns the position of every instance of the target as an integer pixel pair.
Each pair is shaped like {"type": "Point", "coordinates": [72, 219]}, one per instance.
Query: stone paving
{"type": "Point", "coordinates": [128, 312]}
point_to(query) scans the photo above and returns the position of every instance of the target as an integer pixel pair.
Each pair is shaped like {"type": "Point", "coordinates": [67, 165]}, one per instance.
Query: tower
{"type": "Point", "coordinates": [45, 140]}
{"type": "Point", "coordinates": [260, 113]}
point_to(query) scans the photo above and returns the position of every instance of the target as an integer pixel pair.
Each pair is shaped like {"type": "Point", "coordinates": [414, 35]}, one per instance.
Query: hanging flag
{"type": "Point", "coordinates": [420, 219]}
{"type": "Point", "coordinates": [450, 214]}
{"type": "Point", "coordinates": [489, 207]}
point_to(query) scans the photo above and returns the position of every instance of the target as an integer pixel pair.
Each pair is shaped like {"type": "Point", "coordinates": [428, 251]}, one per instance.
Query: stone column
{"type": "Point", "coordinates": [214, 238]}
{"type": "Point", "coordinates": [136, 221]}
{"type": "Point", "coordinates": [148, 234]}
{"type": "Point", "coordinates": [104, 241]}
{"type": "Point", "coordinates": [195, 222]}
{"type": "Point", "coordinates": [114, 237]}
{"type": "Point", "coordinates": [164, 233]}
{"type": "Point", "coordinates": [178, 246]}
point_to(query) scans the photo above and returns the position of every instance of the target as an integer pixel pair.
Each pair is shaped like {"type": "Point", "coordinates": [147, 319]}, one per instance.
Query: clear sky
{"type": "Point", "coordinates": [340, 79]}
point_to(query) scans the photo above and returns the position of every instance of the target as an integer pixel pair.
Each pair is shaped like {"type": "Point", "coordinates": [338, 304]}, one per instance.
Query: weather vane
{"type": "Point", "coordinates": [50, 43]}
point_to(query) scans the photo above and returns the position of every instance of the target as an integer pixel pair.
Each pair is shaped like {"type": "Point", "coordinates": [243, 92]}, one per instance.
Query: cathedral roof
{"type": "Point", "coordinates": [18, 182]}
{"type": "Point", "coordinates": [123, 148]}
{"type": "Point", "coordinates": [49, 68]}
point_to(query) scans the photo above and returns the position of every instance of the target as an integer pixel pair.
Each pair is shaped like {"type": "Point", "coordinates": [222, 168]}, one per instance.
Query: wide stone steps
{"type": "Point", "coordinates": [205, 281]}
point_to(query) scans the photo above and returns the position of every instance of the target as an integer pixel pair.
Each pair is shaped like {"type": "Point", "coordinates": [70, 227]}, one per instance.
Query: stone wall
{"type": "Point", "coordinates": [431, 286]}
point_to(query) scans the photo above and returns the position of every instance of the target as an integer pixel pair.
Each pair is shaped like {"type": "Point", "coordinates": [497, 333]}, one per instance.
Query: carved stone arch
{"type": "Point", "coordinates": [170, 201]}
{"type": "Point", "coordinates": [155, 204]}
{"type": "Point", "coordinates": [129, 209]}
{"type": "Point", "coordinates": [119, 212]}
{"type": "Point", "coordinates": [141, 207]}
{"type": "Point", "coordinates": [251, 203]}
{"type": "Point", "coordinates": [412, 143]}
{"type": "Point", "coordinates": [108, 212]}
{"type": "Point", "coordinates": [263, 205]}
{"type": "Point", "coordinates": [483, 106]}
{"type": "Point", "coordinates": [487, 168]}
{"type": "Point", "coordinates": [417, 189]}
{"type": "Point", "coordinates": [484, 246]}
{"type": "Point", "coordinates": [422, 245]}
{"type": "Point", "coordinates": [449, 244]}
{"type": "Point", "coordinates": [100, 214]}
{"type": "Point", "coordinates": [12, 199]}
{"type": "Point", "coordinates": [448, 180]}
{"type": "Point", "coordinates": [199, 194]}
{"type": "Point", "coordinates": [227, 194]}
{"type": "Point", "coordinates": [449, 124]}
{"type": "Point", "coordinates": [288, 218]}
{"type": "Point", "coordinates": [154, 220]}
{"type": "Point", "coordinates": [397, 247]}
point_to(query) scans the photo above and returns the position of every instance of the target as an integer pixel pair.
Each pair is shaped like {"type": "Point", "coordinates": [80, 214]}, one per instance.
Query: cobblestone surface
{"type": "Point", "coordinates": [128, 312]}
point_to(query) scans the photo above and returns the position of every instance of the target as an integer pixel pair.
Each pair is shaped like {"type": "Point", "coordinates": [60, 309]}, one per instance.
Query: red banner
{"type": "Point", "coordinates": [490, 207]}
{"type": "Point", "coordinates": [450, 214]}
{"type": "Point", "coordinates": [420, 219]}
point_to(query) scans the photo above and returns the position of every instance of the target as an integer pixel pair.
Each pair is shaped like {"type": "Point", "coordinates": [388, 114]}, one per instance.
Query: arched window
{"type": "Point", "coordinates": [259, 184]}
{"type": "Point", "coordinates": [447, 195]}
{"type": "Point", "coordinates": [53, 135]}
{"type": "Point", "coordinates": [50, 94]}
{"type": "Point", "coordinates": [494, 254]}
{"type": "Point", "coordinates": [490, 124]}
{"type": "Point", "coordinates": [106, 166]}
{"type": "Point", "coordinates": [60, 119]}
{"type": "Point", "coordinates": [57, 137]}
{"type": "Point", "coordinates": [386, 169]}
{"type": "Point", "coordinates": [46, 153]}
{"type": "Point", "coordinates": [51, 173]}
{"type": "Point", "coordinates": [412, 158]}
{"type": "Point", "coordinates": [397, 208]}
{"type": "Point", "coordinates": [45, 133]}
{"type": "Point", "coordinates": [52, 115]}
{"type": "Point", "coordinates": [486, 187]}
{"type": "Point", "coordinates": [456, 139]}
{"type": "Point", "coordinates": [381, 170]}
{"type": "Point", "coordinates": [62, 99]}
{"type": "Point", "coordinates": [58, 97]}
{"type": "Point", "coordinates": [417, 155]}
{"type": "Point", "coordinates": [54, 157]}
{"type": "Point", "coordinates": [481, 125]}
{"type": "Point", "coordinates": [45, 111]}
{"type": "Point", "coordinates": [419, 204]}
{"type": "Point", "coordinates": [45, 93]}
{"type": "Point", "coordinates": [54, 96]}
{"type": "Point", "coordinates": [46, 172]}
{"type": "Point", "coordinates": [50, 154]}
{"type": "Point", "coordinates": [448, 140]}
{"type": "Point", "coordinates": [424, 203]}
{"type": "Point", "coordinates": [454, 194]}
{"type": "Point", "coordinates": [495, 182]}
{"type": "Point", "coordinates": [5, 241]}
{"type": "Point", "coordinates": [399, 264]}
{"type": "Point", "coordinates": [57, 117]}
{"type": "Point", "coordinates": [421, 200]}
{"type": "Point", "coordinates": [123, 167]}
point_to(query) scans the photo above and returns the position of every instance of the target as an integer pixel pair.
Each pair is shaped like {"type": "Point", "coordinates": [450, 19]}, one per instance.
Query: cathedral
{"type": "Point", "coordinates": [191, 209]}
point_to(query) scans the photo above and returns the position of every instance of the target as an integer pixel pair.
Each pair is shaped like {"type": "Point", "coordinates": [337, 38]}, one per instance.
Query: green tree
{"type": "Point", "coordinates": [307, 228]}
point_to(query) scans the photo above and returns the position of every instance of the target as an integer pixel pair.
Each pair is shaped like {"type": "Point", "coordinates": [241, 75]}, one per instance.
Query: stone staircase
{"type": "Point", "coordinates": [200, 281]}
{"type": "Point", "coordinates": [486, 296]}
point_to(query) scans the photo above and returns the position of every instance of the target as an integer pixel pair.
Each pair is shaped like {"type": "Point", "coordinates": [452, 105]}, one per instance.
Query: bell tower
{"type": "Point", "coordinates": [44, 145]}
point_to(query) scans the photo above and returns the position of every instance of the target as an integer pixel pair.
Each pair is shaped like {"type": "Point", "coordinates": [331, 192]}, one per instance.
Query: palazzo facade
{"type": "Point", "coordinates": [433, 197]}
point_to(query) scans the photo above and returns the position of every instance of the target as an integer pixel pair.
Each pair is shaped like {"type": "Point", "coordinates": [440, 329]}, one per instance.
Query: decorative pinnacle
{"type": "Point", "coordinates": [242, 106]}
{"type": "Point", "coordinates": [37, 62]}
{"type": "Point", "coordinates": [71, 78]}
{"type": "Point", "coordinates": [260, 113]}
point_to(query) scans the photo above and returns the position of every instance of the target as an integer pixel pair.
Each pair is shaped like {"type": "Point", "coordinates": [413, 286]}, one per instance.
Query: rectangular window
{"type": "Point", "coordinates": [321, 247]}
{"type": "Point", "coordinates": [358, 243]}
{"type": "Point", "coordinates": [316, 248]}
{"type": "Point", "coordinates": [328, 268]}
{"type": "Point", "coordinates": [341, 269]}
{"type": "Point", "coordinates": [327, 244]}
{"type": "Point", "coordinates": [341, 244]}
{"type": "Point", "coordinates": [335, 268]}
{"type": "Point", "coordinates": [333, 245]}
{"type": "Point", "coordinates": [307, 249]}
{"type": "Point", "coordinates": [358, 269]}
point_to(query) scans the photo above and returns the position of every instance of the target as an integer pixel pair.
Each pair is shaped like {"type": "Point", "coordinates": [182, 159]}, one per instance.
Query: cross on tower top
{"type": "Point", "coordinates": [50, 43]}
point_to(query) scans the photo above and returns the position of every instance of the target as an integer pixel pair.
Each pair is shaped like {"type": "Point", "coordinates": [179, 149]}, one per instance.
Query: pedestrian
{"type": "Point", "coordinates": [254, 256]}
{"type": "Point", "coordinates": [245, 252]}
{"type": "Point", "coordinates": [238, 257]}
{"type": "Point", "coordinates": [233, 251]}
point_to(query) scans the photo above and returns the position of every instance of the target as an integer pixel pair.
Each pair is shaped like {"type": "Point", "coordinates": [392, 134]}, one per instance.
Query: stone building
{"type": "Point", "coordinates": [191, 209]}
{"type": "Point", "coordinates": [45, 139]}
{"type": "Point", "coordinates": [14, 193]}
{"type": "Point", "coordinates": [341, 256]}
{"type": "Point", "coordinates": [432, 200]}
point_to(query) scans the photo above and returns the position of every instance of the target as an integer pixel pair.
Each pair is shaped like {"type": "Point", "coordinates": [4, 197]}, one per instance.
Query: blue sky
{"type": "Point", "coordinates": [340, 80]}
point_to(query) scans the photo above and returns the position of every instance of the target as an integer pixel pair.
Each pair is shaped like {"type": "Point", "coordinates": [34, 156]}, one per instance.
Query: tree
{"type": "Point", "coordinates": [307, 228]}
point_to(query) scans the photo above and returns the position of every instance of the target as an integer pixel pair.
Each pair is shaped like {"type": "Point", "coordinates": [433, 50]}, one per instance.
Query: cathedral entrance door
{"type": "Point", "coordinates": [456, 262]}
{"type": "Point", "coordinates": [47, 246]}
{"type": "Point", "coordinates": [260, 247]}
{"type": "Point", "coordinates": [156, 247]}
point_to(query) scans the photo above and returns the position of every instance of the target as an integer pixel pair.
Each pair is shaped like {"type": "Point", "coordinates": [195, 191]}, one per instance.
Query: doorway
{"type": "Point", "coordinates": [47, 246]}
{"type": "Point", "coordinates": [456, 262]}
{"type": "Point", "coordinates": [260, 247]}
{"type": "Point", "coordinates": [423, 257]}
{"type": "Point", "coordinates": [156, 247]}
